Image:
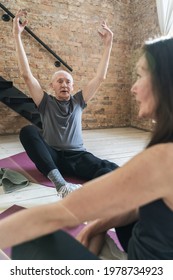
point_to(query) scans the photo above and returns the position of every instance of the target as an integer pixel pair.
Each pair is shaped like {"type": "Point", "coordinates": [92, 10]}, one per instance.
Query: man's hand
{"type": "Point", "coordinates": [18, 27]}
{"type": "Point", "coordinates": [106, 35]}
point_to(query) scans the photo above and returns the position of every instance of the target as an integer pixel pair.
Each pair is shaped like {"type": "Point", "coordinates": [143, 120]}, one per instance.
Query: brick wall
{"type": "Point", "coordinates": [69, 27]}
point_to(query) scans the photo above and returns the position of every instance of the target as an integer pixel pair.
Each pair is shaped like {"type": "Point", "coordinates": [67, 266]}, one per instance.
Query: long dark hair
{"type": "Point", "coordinates": [159, 55]}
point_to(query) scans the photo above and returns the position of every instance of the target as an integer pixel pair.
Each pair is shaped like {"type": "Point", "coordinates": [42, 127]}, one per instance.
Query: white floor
{"type": "Point", "coordinates": [117, 145]}
{"type": "Point", "coordinates": [10, 145]}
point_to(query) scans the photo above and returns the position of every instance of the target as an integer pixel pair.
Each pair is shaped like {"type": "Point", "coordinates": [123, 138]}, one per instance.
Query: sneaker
{"type": "Point", "coordinates": [68, 188]}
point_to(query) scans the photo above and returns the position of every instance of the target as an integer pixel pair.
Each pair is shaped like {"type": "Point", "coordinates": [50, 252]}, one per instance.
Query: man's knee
{"type": "Point", "coordinates": [27, 131]}
{"type": "Point", "coordinates": [103, 171]}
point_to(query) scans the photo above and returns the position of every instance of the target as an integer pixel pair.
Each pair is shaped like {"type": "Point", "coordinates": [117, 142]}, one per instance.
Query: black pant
{"type": "Point", "coordinates": [62, 246]}
{"type": "Point", "coordinates": [73, 163]}
{"type": "Point", "coordinates": [55, 246]}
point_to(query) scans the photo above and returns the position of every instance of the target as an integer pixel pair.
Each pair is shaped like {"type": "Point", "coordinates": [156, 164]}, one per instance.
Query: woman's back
{"type": "Point", "coordinates": [152, 236]}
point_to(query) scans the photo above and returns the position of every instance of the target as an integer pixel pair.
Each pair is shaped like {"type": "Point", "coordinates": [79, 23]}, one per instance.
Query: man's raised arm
{"type": "Point", "coordinates": [93, 85]}
{"type": "Point", "coordinates": [33, 85]}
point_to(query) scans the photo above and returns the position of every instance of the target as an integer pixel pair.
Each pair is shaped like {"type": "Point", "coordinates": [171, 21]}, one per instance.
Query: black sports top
{"type": "Point", "coordinates": [152, 236]}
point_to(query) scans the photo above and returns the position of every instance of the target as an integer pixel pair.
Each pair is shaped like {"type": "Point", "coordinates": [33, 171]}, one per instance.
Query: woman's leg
{"type": "Point", "coordinates": [56, 246]}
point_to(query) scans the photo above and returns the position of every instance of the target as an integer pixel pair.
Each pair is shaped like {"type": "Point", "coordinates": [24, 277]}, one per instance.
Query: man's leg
{"type": "Point", "coordinates": [87, 166]}
{"type": "Point", "coordinates": [47, 160]}
{"type": "Point", "coordinates": [44, 157]}
{"type": "Point", "coordinates": [55, 246]}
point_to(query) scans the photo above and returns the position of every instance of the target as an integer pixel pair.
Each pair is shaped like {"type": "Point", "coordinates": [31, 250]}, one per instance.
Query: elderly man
{"type": "Point", "coordinates": [59, 149]}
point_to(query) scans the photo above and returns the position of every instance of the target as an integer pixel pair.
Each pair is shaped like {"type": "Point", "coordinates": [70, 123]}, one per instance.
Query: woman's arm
{"type": "Point", "coordinates": [143, 179]}
{"type": "Point", "coordinates": [102, 225]}
{"type": "Point", "coordinates": [92, 235]}
{"type": "Point", "coordinates": [30, 223]}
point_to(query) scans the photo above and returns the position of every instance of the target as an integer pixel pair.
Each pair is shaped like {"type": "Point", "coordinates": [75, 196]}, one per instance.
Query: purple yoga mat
{"type": "Point", "coordinates": [22, 163]}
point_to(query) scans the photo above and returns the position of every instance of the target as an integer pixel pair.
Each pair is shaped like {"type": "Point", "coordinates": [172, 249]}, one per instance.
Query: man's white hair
{"type": "Point", "coordinates": [61, 72]}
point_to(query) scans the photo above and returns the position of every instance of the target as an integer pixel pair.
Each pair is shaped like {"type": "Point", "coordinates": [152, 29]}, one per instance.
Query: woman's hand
{"type": "Point", "coordinates": [90, 239]}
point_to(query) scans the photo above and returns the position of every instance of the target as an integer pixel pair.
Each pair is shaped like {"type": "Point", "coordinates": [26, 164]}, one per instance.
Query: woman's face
{"type": "Point", "coordinates": [142, 89]}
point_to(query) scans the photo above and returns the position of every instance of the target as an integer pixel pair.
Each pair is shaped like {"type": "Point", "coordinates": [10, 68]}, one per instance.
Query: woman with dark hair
{"type": "Point", "coordinates": [137, 196]}
{"type": "Point", "coordinates": [159, 57]}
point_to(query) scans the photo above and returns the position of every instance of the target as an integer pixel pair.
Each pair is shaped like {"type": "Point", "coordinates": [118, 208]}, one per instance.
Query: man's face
{"type": "Point", "coordinates": [62, 85]}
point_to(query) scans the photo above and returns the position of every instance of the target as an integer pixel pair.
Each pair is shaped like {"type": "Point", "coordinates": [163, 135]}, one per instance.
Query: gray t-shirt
{"type": "Point", "coordinates": [62, 122]}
